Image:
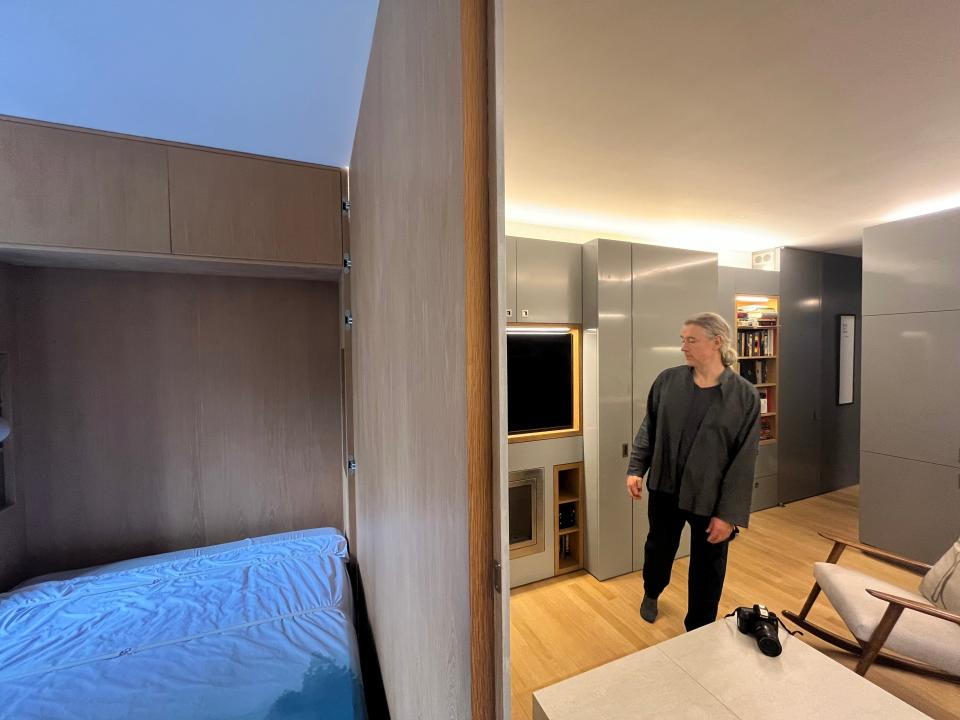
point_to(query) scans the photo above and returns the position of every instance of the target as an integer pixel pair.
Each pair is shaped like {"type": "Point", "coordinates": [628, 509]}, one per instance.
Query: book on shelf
{"type": "Point", "coordinates": [766, 429]}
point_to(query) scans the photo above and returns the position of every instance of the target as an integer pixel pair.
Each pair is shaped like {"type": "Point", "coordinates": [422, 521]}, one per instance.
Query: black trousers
{"type": "Point", "coordinates": [708, 562]}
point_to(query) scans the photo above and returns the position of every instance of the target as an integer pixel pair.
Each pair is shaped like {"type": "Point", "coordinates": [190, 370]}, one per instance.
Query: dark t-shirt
{"type": "Point", "coordinates": [700, 403]}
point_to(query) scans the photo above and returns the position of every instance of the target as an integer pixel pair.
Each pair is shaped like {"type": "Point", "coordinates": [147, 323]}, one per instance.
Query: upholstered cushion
{"type": "Point", "coordinates": [916, 635]}
{"type": "Point", "coordinates": [941, 586]}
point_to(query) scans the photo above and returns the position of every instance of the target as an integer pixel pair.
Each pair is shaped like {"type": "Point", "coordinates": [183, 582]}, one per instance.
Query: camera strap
{"type": "Point", "coordinates": [791, 632]}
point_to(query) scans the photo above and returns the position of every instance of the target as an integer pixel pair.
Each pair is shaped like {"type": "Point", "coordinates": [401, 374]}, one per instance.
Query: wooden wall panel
{"type": "Point", "coordinates": [409, 347]}
{"type": "Point", "coordinates": [12, 529]}
{"type": "Point", "coordinates": [236, 207]}
{"type": "Point", "coordinates": [269, 381]}
{"type": "Point", "coordinates": [75, 189]}
{"type": "Point", "coordinates": [160, 411]}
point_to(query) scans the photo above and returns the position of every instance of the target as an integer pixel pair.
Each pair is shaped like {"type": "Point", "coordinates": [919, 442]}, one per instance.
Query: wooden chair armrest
{"type": "Point", "coordinates": [914, 605]}
{"type": "Point", "coordinates": [870, 550]}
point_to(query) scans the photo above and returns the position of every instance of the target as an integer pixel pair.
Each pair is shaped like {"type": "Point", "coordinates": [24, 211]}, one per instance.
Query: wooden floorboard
{"type": "Point", "coordinates": [568, 625]}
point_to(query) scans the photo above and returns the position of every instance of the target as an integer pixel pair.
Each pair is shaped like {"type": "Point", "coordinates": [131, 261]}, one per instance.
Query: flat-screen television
{"type": "Point", "coordinates": [540, 381]}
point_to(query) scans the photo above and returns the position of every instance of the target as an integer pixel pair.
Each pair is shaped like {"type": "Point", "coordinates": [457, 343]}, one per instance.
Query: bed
{"type": "Point", "coordinates": [256, 629]}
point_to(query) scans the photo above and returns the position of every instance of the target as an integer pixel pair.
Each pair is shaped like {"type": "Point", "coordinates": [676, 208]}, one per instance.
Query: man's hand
{"type": "Point", "coordinates": [635, 486]}
{"type": "Point", "coordinates": [718, 530]}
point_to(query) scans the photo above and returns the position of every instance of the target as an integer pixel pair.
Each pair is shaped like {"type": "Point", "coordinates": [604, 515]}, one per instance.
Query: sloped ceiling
{"type": "Point", "coordinates": [275, 77]}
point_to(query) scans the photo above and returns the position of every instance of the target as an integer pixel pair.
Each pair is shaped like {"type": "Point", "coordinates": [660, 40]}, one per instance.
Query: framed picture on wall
{"type": "Point", "coordinates": [848, 334]}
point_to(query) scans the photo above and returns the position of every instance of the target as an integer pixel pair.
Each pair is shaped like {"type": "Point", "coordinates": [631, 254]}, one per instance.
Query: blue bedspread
{"type": "Point", "coordinates": [257, 629]}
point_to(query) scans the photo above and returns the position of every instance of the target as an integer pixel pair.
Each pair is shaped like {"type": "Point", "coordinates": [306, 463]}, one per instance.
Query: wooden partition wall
{"type": "Point", "coordinates": [12, 538]}
{"type": "Point", "coordinates": [157, 412]}
{"type": "Point", "coordinates": [421, 303]}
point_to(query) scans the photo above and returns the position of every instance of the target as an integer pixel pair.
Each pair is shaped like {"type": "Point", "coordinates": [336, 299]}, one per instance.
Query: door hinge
{"type": "Point", "coordinates": [497, 586]}
{"type": "Point", "coordinates": [351, 465]}
{"type": "Point", "coordinates": [347, 263]}
{"type": "Point", "coordinates": [348, 319]}
{"type": "Point", "coordinates": [345, 207]}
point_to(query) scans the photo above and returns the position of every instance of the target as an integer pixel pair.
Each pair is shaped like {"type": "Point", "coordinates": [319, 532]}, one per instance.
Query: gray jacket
{"type": "Point", "coordinates": [718, 477]}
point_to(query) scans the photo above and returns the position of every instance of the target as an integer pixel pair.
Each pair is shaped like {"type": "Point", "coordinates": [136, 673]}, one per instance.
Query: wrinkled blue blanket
{"type": "Point", "coordinates": [256, 629]}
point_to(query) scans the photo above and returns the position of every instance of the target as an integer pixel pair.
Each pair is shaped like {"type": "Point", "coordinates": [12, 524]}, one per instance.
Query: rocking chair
{"type": "Point", "coordinates": [926, 639]}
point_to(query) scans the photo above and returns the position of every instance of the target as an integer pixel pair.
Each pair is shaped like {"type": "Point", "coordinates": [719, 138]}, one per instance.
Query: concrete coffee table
{"type": "Point", "coordinates": [717, 672]}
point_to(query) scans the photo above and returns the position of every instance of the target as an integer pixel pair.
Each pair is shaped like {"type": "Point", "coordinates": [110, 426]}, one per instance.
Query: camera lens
{"type": "Point", "coordinates": [767, 639]}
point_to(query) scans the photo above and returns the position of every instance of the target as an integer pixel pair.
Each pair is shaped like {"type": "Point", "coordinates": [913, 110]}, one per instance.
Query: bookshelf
{"type": "Point", "coordinates": [568, 520]}
{"type": "Point", "coordinates": [758, 348]}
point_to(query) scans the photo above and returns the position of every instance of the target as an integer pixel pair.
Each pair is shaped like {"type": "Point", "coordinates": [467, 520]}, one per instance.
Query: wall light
{"type": "Point", "coordinates": [753, 298]}
{"type": "Point", "coordinates": [536, 330]}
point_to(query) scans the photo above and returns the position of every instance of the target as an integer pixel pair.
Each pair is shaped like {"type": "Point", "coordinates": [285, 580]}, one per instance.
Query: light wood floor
{"type": "Point", "coordinates": [565, 626]}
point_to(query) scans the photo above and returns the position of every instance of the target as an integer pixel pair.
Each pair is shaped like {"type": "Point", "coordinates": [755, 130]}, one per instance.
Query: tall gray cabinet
{"type": "Point", "coordinates": [910, 439]}
{"type": "Point", "coordinates": [635, 299]}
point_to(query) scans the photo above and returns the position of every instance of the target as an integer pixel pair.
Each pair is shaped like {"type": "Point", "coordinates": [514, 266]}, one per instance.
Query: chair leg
{"type": "Point", "coordinates": [832, 558]}
{"type": "Point", "coordinates": [811, 599]}
{"type": "Point", "coordinates": [879, 637]}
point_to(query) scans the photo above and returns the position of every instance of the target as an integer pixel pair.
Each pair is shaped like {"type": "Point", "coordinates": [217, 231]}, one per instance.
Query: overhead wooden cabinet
{"type": "Point", "coordinates": [228, 206]}
{"type": "Point", "coordinates": [82, 190]}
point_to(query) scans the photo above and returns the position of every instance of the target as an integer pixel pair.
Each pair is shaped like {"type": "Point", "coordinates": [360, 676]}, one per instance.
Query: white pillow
{"type": "Point", "coordinates": [941, 585]}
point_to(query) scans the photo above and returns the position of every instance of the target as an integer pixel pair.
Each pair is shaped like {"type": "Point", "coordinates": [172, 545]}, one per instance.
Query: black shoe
{"type": "Point", "coordinates": [648, 609]}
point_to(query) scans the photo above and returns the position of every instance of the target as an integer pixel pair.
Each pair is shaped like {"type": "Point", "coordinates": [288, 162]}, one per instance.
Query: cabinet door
{"type": "Point", "coordinates": [908, 507]}
{"type": "Point", "coordinates": [512, 279]}
{"type": "Point", "coordinates": [230, 206]}
{"type": "Point", "coordinates": [910, 391]}
{"type": "Point", "coordinates": [764, 493]}
{"type": "Point", "coordinates": [549, 282]}
{"type": "Point", "coordinates": [67, 188]}
{"type": "Point", "coordinates": [911, 265]}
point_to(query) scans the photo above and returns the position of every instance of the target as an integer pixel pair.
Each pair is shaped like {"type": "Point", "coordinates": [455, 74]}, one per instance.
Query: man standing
{"type": "Point", "coordinates": [699, 441]}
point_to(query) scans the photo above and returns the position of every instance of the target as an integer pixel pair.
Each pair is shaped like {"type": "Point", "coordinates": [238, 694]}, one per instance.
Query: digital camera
{"type": "Point", "coordinates": [763, 625]}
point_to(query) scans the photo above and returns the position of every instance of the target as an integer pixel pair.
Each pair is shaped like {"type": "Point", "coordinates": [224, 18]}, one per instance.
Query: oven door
{"type": "Point", "coordinates": [526, 512]}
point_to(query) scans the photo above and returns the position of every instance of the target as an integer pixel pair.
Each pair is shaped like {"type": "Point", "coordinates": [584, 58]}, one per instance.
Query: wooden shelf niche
{"type": "Point", "coordinates": [568, 517]}
{"type": "Point", "coordinates": [758, 348]}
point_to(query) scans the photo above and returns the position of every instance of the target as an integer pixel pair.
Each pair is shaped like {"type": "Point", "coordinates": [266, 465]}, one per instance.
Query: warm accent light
{"type": "Point", "coordinates": [705, 237]}
{"type": "Point", "coordinates": [534, 330]}
{"type": "Point", "coordinates": [753, 298]}
{"type": "Point", "coordinates": [924, 207]}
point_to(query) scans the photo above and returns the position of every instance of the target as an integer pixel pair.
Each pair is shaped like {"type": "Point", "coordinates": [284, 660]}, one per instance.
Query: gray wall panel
{"type": "Point", "coordinates": [800, 375]}
{"type": "Point", "coordinates": [669, 286]}
{"type": "Point", "coordinates": [911, 403]}
{"type": "Point", "coordinates": [909, 507]}
{"type": "Point", "coordinates": [912, 265]}
{"type": "Point", "coordinates": [840, 452]}
{"type": "Point", "coordinates": [748, 281]}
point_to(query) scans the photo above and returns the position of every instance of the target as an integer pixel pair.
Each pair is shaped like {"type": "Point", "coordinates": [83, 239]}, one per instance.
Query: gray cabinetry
{"type": "Point", "coordinates": [911, 265]}
{"type": "Point", "coordinates": [800, 375]}
{"type": "Point", "coordinates": [512, 279]}
{"type": "Point", "coordinates": [899, 496]}
{"type": "Point", "coordinates": [548, 280]}
{"type": "Point", "coordinates": [911, 408]}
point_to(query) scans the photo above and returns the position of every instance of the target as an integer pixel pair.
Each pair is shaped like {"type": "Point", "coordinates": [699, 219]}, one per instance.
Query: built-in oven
{"type": "Point", "coordinates": [526, 512]}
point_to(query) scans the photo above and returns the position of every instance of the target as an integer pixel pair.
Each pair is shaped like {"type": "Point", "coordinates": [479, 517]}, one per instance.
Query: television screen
{"type": "Point", "coordinates": [539, 382]}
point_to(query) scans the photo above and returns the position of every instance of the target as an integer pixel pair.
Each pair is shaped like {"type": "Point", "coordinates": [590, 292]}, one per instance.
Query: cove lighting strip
{"type": "Point", "coordinates": [534, 330]}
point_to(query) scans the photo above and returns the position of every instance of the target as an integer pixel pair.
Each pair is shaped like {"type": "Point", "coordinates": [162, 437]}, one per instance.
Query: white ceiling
{"type": "Point", "coordinates": [274, 77]}
{"type": "Point", "coordinates": [729, 124]}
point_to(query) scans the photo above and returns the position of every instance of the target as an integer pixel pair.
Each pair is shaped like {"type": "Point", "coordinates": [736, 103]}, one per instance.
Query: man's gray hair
{"type": "Point", "coordinates": [716, 326]}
